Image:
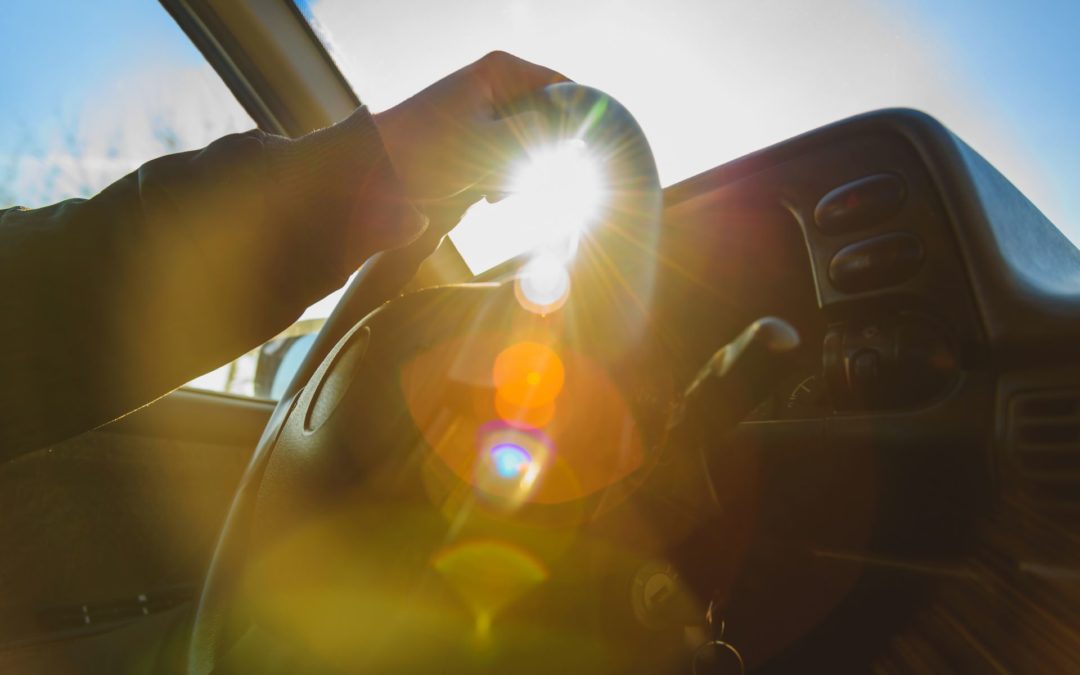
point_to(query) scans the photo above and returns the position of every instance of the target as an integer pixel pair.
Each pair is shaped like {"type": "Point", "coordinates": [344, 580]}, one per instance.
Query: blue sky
{"type": "Point", "coordinates": [93, 89]}
{"type": "Point", "coordinates": [64, 51]}
{"type": "Point", "coordinates": [1025, 58]}
{"type": "Point", "coordinates": [711, 80]}
{"type": "Point", "coordinates": [1002, 74]}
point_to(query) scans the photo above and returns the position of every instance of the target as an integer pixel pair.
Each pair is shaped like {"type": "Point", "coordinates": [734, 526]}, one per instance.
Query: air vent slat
{"type": "Point", "coordinates": [1049, 406]}
{"type": "Point", "coordinates": [1040, 458]}
{"type": "Point", "coordinates": [1050, 434]}
{"type": "Point", "coordinates": [1059, 495]}
{"type": "Point", "coordinates": [1043, 441]}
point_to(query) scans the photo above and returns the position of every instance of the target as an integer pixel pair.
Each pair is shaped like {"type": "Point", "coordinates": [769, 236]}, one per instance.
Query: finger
{"type": "Point", "coordinates": [391, 225]}
{"type": "Point", "coordinates": [510, 140]}
{"type": "Point", "coordinates": [512, 78]}
{"type": "Point", "coordinates": [446, 213]}
{"type": "Point", "coordinates": [443, 215]}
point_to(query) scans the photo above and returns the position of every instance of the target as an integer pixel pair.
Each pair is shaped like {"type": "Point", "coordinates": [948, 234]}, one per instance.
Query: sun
{"type": "Point", "coordinates": [561, 188]}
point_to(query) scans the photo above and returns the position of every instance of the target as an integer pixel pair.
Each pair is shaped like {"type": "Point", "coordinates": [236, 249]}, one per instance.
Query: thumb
{"type": "Point", "coordinates": [399, 224]}
{"type": "Point", "coordinates": [411, 225]}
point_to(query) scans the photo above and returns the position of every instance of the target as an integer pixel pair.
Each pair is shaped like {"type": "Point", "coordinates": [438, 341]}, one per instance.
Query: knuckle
{"type": "Point", "coordinates": [498, 57]}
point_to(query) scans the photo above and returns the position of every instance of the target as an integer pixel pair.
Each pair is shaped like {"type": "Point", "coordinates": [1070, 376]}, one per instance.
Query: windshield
{"type": "Point", "coordinates": [92, 90]}
{"type": "Point", "coordinates": [710, 81]}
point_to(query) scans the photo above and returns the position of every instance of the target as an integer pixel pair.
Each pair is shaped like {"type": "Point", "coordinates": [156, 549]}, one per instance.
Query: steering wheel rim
{"type": "Point", "coordinates": [571, 107]}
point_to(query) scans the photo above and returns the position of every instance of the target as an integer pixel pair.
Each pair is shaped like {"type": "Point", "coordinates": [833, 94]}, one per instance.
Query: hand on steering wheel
{"type": "Point", "coordinates": [330, 516]}
{"type": "Point", "coordinates": [459, 131]}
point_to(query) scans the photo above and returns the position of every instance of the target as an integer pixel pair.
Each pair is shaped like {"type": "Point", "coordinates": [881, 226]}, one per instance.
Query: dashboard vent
{"type": "Point", "coordinates": [1044, 446]}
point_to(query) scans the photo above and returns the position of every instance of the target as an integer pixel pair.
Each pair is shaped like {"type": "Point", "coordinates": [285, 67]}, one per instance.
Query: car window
{"type": "Point", "coordinates": [90, 91]}
{"type": "Point", "coordinates": [93, 90]}
{"type": "Point", "coordinates": [710, 81]}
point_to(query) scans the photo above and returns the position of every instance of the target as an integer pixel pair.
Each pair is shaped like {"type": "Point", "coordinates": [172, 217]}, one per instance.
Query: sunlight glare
{"type": "Point", "coordinates": [550, 198]}
{"type": "Point", "coordinates": [543, 284]}
{"type": "Point", "coordinates": [561, 188]}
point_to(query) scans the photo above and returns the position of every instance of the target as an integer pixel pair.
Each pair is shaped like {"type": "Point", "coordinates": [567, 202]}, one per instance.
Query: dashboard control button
{"type": "Point", "coordinates": [804, 396]}
{"type": "Point", "coordinates": [876, 263]}
{"type": "Point", "coordinates": [860, 204]}
{"type": "Point", "coordinates": [865, 367]}
{"type": "Point", "coordinates": [887, 362]}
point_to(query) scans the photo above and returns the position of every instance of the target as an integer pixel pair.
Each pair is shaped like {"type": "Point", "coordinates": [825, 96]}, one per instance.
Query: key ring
{"type": "Point", "coordinates": [717, 654]}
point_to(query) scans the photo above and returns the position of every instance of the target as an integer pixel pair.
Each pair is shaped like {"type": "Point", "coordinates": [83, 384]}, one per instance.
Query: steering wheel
{"type": "Point", "coordinates": [467, 476]}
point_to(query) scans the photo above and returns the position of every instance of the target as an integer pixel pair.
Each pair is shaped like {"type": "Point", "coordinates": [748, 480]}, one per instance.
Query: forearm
{"type": "Point", "coordinates": [178, 268]}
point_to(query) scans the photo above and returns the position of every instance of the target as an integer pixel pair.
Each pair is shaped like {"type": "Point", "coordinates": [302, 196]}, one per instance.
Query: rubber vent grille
{"type": "Point", "coordinates": [1044, 441]}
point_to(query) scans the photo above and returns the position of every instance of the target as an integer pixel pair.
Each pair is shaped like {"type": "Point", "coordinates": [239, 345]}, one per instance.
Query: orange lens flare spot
{"type": "Point", "coordinates": [528, 375]}
{"type": "Point", "coordinates": [534, 417]}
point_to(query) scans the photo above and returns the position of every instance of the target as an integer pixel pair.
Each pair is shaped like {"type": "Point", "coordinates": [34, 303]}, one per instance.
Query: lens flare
{"type": "Point", "coordinates": [543, 284]}
{"type": "Point", "coordinates": [510, 460]}
{"type": "Point", "coordinates": [489, 575]}
{"type": "Point", "coordinates": [562, 187]}
{"type": "Point", "coordinates": [534, 417]}
{"type": "Point", "coordinates": [528, 374]}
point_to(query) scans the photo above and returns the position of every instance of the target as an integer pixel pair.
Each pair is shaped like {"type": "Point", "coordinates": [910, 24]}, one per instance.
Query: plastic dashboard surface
{"type": "Point", "coordinates": [991, 293]}
{"type": "Point", "coordinates": [844, 233]}
{"type": "Point", "coordinates": [930, 294]}
{"type": "Point", "coordinates": [918, 278]}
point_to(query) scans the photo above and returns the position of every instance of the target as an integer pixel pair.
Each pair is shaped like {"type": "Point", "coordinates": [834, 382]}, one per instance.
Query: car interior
{"type": "Point", "coordinates": [816, 409]}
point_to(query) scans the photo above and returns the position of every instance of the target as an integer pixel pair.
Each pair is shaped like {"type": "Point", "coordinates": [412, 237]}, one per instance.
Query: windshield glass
{"type": "Point", "coordinates": [710, 81]}
{"type": "Point", "coordinates": [92, 90]}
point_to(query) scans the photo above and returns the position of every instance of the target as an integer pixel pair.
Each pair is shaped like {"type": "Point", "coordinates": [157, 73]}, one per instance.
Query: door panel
{"type": "Point", "coordinates": [119, 523]}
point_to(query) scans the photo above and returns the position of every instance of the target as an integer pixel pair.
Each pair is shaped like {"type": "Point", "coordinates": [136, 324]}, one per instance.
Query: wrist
{"type": "Point", "coordinates": [338, 194]}
{"type": "Point", "coordinates": [393, 133]}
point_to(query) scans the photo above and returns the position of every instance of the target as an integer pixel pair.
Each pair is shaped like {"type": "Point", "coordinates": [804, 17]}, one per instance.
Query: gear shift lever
{"type": "Point", "coordinates": [678, 494]}
{"type": "Point", "coordinates": [730, 384]}
{"type": "Point", "coordinates": [736, 378]}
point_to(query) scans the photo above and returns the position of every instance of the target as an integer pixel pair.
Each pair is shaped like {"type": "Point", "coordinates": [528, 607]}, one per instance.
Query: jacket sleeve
{"type": "Point", "coordinates": [110, 302]}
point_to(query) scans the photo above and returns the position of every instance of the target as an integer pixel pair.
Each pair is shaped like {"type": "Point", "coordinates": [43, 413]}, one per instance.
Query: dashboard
{"type": "Point", "coordinates": [936, 382]}
{"type": "Point", "coordinates": [849, 240]}
{"type": "Point", "coordinates": [935, 303]}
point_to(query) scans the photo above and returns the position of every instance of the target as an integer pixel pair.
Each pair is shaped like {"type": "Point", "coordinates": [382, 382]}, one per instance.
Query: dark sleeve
{"type": "Point", "coordinates": [110, 302]}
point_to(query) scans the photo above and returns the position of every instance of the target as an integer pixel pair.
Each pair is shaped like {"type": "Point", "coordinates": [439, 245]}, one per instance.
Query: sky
{"type": "Point", "coordinates": [711, 80]}
{"type": "Point", "coordinates": [91, 90]}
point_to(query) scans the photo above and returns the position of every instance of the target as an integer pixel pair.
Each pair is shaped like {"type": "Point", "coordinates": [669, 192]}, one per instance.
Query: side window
{"type": "Point", "coordinates": [265, 371]}
{"type": "Point", "coordinates": [90, 91]}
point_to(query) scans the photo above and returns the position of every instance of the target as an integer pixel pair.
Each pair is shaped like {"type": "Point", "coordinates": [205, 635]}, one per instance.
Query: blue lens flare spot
{"type": "Point", "coordinates": [510, 459]}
